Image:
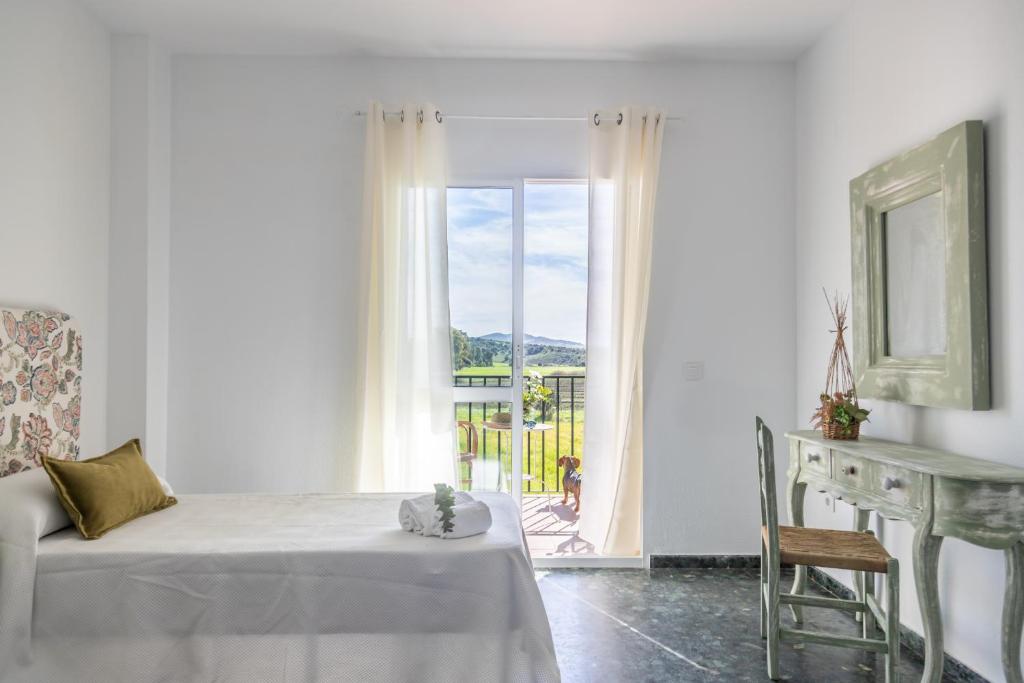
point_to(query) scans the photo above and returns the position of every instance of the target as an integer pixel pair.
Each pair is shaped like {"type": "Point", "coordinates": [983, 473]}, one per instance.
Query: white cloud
{"type": "Point", "coordinates": [480, 260]}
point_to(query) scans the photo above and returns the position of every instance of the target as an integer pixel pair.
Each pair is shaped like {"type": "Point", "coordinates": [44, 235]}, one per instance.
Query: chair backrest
{"type": "Point", "coordinates": [472, 439]}
{"type": "Point", "coordinates": [766, 477]}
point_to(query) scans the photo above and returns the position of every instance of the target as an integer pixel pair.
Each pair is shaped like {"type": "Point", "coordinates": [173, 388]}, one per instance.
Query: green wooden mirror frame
{"type": "Point", "coordinates": [954, 164]}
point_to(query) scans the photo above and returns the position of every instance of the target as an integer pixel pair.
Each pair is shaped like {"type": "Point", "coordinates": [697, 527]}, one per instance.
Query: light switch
{"type": "Point", "coordinates": [693, 370]}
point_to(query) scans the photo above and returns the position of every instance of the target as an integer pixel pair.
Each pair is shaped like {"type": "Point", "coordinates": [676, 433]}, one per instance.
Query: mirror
{"type": "Point", "coordinates": [915, 278]}
{"type": "Point", "coordinates": [920, 298]}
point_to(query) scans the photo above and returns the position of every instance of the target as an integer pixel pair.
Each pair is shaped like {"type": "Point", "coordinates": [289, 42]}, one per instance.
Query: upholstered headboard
{"type": "Point", "coordinates": [40, 388]}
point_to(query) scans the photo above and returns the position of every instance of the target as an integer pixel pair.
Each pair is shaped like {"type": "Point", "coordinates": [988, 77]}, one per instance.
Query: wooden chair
{"type": "Point", "coordinates": [853, 550]}
{"type": "Point", "coordinates": [472, 450]}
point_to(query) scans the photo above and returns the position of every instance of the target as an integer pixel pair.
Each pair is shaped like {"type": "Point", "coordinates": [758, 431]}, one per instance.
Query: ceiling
{"type": "Point", "coordinates": [565, 29]}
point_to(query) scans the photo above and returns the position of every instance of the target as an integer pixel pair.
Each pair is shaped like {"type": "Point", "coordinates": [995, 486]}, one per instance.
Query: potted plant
{"type": "Point", "coordinates": [535, 396]}
{"type": "Point", "coordinates": [840, 414]}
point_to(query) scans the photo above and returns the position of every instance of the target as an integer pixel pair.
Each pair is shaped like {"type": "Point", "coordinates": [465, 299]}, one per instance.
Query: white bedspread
{"type": "Point", "coordinates": [286, 588]}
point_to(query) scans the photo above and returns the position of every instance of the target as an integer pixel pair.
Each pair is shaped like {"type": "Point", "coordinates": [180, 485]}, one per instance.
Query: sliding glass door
{"type": "Point", "coordinates": [518, 289]}
{"type": "Point", "coordinates": [485, 291]}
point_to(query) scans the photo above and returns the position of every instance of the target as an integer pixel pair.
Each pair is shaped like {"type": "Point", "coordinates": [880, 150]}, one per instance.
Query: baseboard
{"type": "Point", "coordinates": [705, 561]}
{"type": "Point", "coordinates": [588, 562]}
{"type": "Point", "coordinates": [952, 668]}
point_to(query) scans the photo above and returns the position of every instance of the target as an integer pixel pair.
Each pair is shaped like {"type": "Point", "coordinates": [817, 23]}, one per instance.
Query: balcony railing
{"type": "Point", "coordinates": [541, 450]}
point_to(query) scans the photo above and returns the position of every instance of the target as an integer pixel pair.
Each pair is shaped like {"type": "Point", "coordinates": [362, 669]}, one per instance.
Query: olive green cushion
{"type": "Point", "coordinates": [105, 492]}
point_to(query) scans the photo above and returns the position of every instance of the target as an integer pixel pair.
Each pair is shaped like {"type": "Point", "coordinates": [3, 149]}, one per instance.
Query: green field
{"type": "Point", "coordinates": [540, 456]}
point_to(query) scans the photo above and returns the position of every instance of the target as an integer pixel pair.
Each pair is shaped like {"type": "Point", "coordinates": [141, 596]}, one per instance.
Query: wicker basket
{"type": "Point", "coordinates": [838, 432]}
{"type": "Point", "coordinates": [839, 384]}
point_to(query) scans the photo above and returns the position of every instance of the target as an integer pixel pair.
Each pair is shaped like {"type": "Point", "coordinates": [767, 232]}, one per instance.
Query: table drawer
{"type": "Point", "coordinates": [898, 485]}
{"type": "Point", "coordinates": [890, 483]}
{"type": "Point", "coordinates": [850, 472]}
{"type": "Point", "coordinates": [816, 459]}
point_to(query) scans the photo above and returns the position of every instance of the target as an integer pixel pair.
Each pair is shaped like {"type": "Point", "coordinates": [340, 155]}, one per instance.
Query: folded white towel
{"type": "Point", "coordinates": [419, 513]}
{"type": "Point", "coordinates": [469, 519]}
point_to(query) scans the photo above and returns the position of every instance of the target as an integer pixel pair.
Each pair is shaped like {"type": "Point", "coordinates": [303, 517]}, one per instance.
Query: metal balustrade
{"type": "Point", "coordinates": [541, 450]}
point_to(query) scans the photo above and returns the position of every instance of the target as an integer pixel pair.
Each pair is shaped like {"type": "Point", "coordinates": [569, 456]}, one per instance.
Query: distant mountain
{"type": "Point", "coordinates": [486, 351]}
{"type": "Point", "coordinates": [530, 339]}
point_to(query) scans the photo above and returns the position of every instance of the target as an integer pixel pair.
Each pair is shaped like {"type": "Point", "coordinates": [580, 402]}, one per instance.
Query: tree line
{"type": "Point", "coordinates": [468, 352]}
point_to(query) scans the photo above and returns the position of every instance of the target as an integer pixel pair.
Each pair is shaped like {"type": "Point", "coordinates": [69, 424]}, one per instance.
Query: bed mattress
{"type": "Point", "coordinates": [288, 588]}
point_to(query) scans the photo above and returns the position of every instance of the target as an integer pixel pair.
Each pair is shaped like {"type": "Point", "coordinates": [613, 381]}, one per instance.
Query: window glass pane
{"type": "Point", "coordinates": [480, 284]}
{"type": "Point", "coordinates": [555, 327]}
{"type": "Point", "coordinates": [555, 275]}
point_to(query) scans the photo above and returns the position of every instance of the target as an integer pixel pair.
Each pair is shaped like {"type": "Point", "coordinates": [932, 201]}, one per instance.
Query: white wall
{"type": "Point", "coordinates": [139, 240]}
{"type": "Point", "coordinates": [266, 193]}
{"type": "Point", "coordinates": [158, 257]}
{"type": "Point", "coordinates": [129, 199]}
{"type": "Point", "coordinates": [888, 77]}
{"type": "Point", "coordinates": [55, 177]}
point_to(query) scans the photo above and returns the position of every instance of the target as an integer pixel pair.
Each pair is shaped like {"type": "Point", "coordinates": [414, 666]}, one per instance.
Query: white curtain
{"type": "Point", "coordinates": [625, 155]}
{"type": "Point", "coordinates": [408, 436]}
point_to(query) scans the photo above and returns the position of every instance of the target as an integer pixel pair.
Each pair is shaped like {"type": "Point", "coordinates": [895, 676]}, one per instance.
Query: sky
{"type": "Point", "coordinates": [554, 268]}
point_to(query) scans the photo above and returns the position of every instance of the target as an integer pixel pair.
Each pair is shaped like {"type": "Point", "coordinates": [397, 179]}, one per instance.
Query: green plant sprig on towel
{"type": "Point", "coordinates": [444, 499]}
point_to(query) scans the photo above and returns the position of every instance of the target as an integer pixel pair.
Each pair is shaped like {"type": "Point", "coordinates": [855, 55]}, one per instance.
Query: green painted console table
{"type": "Point", "coordinates": [941, 494]}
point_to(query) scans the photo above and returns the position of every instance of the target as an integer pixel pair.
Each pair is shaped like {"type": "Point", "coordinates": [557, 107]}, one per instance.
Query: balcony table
{"type": "Point", "coordinates": [506, 427]}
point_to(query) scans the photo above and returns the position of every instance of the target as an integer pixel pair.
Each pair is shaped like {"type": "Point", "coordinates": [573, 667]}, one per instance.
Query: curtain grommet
{"type": "Point", "coordinates": [419, 117]}
{"type": "Point", "coordinates": [619, 122]}
{"type": "Point", "coordinates": [597, 119]}
{"type": "Point", "coordinates": [437, 116]}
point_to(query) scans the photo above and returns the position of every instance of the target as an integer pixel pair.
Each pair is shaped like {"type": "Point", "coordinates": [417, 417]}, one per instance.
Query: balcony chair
{"type": "Point", "coordinates": [854, 550]}
{"type": "Point", "coordinates": [481, 474]}
{"type": "Point", "coordinates": [472, 450]}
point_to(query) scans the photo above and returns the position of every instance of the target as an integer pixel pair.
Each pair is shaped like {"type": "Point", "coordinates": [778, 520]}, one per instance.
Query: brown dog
{"type": "Point", "coordinates": [572, 481]}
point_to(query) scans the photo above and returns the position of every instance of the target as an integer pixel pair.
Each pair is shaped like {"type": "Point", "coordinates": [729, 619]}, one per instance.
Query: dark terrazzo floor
{"type": "Point", "coordinates": [687, 625]}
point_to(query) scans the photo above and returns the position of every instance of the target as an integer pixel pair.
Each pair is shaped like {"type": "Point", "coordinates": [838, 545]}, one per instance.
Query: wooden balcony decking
{"type": "Point", "coordinates": [553, 531]}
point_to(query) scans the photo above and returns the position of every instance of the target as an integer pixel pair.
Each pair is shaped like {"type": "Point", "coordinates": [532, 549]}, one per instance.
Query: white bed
{"type": "Point", "coordinates": [283, 588]}
{"type": "Point", "coordinates": [240, 587]}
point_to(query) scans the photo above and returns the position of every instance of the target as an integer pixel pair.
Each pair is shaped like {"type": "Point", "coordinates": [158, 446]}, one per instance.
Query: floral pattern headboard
{"type": "Point", "coordinates": [40, 388]}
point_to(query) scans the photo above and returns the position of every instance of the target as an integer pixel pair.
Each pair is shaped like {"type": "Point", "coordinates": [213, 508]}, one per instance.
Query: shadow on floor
{"type": "Point", "coordinates": [552, 528]}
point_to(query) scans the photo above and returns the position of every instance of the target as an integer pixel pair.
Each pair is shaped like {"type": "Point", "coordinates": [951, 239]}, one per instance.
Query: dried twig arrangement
{"type": "Point", "coordinates": [840, 374]}
{"type": "Point", "coordinates": [839, 415]}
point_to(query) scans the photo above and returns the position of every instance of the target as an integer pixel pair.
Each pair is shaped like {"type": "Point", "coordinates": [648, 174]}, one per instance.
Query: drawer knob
{"type": "Point", "coordinates": [890, 483]}
{"type": "Point", "coordinates": [849, 469]}
{"type": "Point", "coordinates": [813, 457]}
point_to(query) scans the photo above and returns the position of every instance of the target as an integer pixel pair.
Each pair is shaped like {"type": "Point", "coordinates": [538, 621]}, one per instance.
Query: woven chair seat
{"type": "Point", "coordinates": [854, 550]}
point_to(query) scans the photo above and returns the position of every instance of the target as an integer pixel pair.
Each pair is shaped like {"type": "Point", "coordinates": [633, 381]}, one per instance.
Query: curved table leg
{"type": "Point", "coordinates": [1013, 612]}
{"type": "Point", "coordinates": [795, 505]}
{"type": "Point", "coordinates": [861, 521]}
{"type": "Point", "coordinates": [926, 575]}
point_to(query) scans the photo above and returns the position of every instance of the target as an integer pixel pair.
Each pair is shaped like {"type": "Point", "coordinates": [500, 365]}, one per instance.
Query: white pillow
{"type": "Point", "coordinates": [29, 505]}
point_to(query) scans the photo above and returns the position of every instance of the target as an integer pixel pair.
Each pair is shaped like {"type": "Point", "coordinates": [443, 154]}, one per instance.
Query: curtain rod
{"type": "Point", "coordinates": [487, 117]}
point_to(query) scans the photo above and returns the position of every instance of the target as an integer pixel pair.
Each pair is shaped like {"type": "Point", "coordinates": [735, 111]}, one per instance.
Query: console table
{"type": "Point", "coordinates": [941, 494]}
